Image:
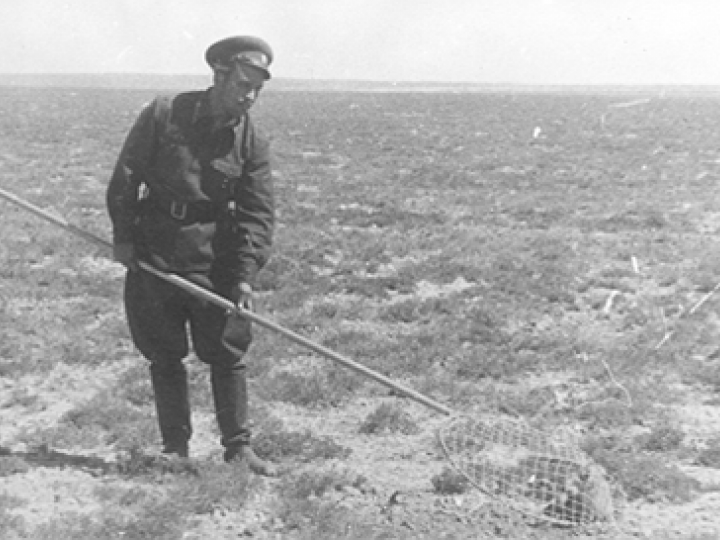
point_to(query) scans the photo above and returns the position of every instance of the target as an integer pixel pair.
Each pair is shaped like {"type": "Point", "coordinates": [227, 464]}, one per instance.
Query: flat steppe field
{"type": "Point", "coordinates": [543, 255]}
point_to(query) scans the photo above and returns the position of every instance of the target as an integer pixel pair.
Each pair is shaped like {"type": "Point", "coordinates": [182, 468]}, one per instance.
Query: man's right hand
{"type": "Point", "coordinates": [124, 253]}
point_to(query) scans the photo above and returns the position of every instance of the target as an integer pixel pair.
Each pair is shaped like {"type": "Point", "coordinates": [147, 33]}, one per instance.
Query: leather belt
{"type": "Point", "coordinates": [191, 212]}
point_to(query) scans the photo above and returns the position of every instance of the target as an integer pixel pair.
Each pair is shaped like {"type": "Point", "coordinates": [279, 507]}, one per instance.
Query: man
{"type": "Point", "coordinates": [191, 194]}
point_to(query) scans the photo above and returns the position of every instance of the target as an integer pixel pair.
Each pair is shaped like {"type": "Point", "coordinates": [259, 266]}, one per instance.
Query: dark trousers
{"type": "Point", "coordinates": [159, 315]}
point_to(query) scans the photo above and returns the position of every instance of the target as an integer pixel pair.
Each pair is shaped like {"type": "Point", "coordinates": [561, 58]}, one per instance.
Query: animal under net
{"type": "Point", "coordinates": [528, 470]}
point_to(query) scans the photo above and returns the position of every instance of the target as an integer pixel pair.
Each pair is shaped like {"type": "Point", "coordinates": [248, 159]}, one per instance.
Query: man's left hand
{"type": "Point", "coordinates": [242, 295]}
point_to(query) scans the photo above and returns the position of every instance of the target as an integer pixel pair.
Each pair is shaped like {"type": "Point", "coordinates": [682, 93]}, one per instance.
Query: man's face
{"type": "Point", "coordinates": [238, 89]}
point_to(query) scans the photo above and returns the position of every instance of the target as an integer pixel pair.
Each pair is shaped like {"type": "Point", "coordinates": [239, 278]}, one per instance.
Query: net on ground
{"type": "Point", "coordinates": [535, 473]}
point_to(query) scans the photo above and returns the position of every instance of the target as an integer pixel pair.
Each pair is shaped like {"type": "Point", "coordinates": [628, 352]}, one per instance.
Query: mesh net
{"type": "Point", "coordinates": [540, 475]}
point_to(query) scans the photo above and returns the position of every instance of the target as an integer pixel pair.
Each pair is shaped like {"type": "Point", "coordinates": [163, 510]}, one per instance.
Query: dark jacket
{"type": "Point", "coordinates": [193, 200]}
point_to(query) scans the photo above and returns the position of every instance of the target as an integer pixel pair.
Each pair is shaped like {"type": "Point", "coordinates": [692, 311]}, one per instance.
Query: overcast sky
{"type": "Point", "coordinates": [493, 41]}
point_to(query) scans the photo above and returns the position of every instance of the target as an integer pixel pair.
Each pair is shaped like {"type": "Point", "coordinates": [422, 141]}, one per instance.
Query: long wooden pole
{"type": "Point", "coordinates": [233, 309]}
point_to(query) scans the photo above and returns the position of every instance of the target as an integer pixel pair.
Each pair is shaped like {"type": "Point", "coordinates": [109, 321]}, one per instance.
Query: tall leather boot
{"type": "Point", "coordinates": [169, 382]}
{"type": "Point", "coordinates": [230, 394]}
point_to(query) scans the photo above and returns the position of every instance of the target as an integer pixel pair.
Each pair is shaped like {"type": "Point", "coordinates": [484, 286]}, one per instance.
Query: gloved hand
{"type": "Point", "coordinates": [242, 295]}
{"type": "Point", "coordinates": [124, 253]}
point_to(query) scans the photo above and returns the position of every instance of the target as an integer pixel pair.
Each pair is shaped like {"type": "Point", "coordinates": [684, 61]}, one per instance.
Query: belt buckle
{"type": "Point", "coordinates": [178, 210]}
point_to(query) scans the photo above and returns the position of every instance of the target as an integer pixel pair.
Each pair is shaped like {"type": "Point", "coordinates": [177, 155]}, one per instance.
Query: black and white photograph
{"type": "Point", "coordinates": [360, 270]}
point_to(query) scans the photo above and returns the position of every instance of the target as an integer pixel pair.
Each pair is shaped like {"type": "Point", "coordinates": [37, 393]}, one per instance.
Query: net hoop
{"type": "Point", "coordinates": [540, 475]}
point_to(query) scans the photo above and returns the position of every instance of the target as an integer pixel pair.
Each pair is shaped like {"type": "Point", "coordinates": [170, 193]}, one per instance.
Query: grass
{"type": "Point", "coordinates": [664, 437]}
{"type": "Point", "coordinates": [428, 236]}
{"type": "Point", "coordinates": [450, 482]}
{"type": "Point", "coordinates": [275, 442]}
{"type": "Point", "coordinates": [161, 504]}
{"type": "Point", "coordinates": [311, 499]}
{"type": "Point", "coordinates": [320, 387]}
{"type": "Point", "coordinates": [11, 526]}
{"type": "Point", "coordinates": [648, 477]}
{"type": "Point", "coordinates": [134, 386]}
{"type": "Point", "coordinates": [389, 418]}
{"type": "Point", "coordinates": [101, 421]}
{"type": "Point", "coordinates": [710, 455]}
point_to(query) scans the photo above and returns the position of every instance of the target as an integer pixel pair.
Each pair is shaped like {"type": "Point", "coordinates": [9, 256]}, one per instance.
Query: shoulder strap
{"type": "Point", "coordinates": [244, 152]}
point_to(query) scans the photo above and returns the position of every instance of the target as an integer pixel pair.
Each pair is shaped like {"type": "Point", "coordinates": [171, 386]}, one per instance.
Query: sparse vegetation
{"type": "Point", "coordinates": [450, 482]}
{"type": "Point", "coordinates": [567, 278]}
{"type": "Point", "coordinates": [11, 526]}
{"type": "Point", "coordinates": [101, 421]}
{"type": "Point", "coordinates": [315, 388]}
{"type": "Point", "coordinates": [389, 417]}
{"type": "Point", "coordinates": [273, 441]}
{"type": "Point", "coordinates": [313, 496]}
{"type": "Point", "coordinates": [710, 456]}
{"type": "Point", "coordinates": [664, 437]}
{"type": "Point", "coordinates": [12, 465]}
{"type": "Point", "coordinates": [648, 477]}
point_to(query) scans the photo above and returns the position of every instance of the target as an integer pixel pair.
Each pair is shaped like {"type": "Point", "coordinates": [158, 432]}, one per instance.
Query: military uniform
{"type": "Point", "coordinates": [194, 199]}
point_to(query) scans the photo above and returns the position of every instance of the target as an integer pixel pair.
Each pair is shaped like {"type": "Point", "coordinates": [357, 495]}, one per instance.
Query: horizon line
{"type": "Point", "coordinates": [363, 81]}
